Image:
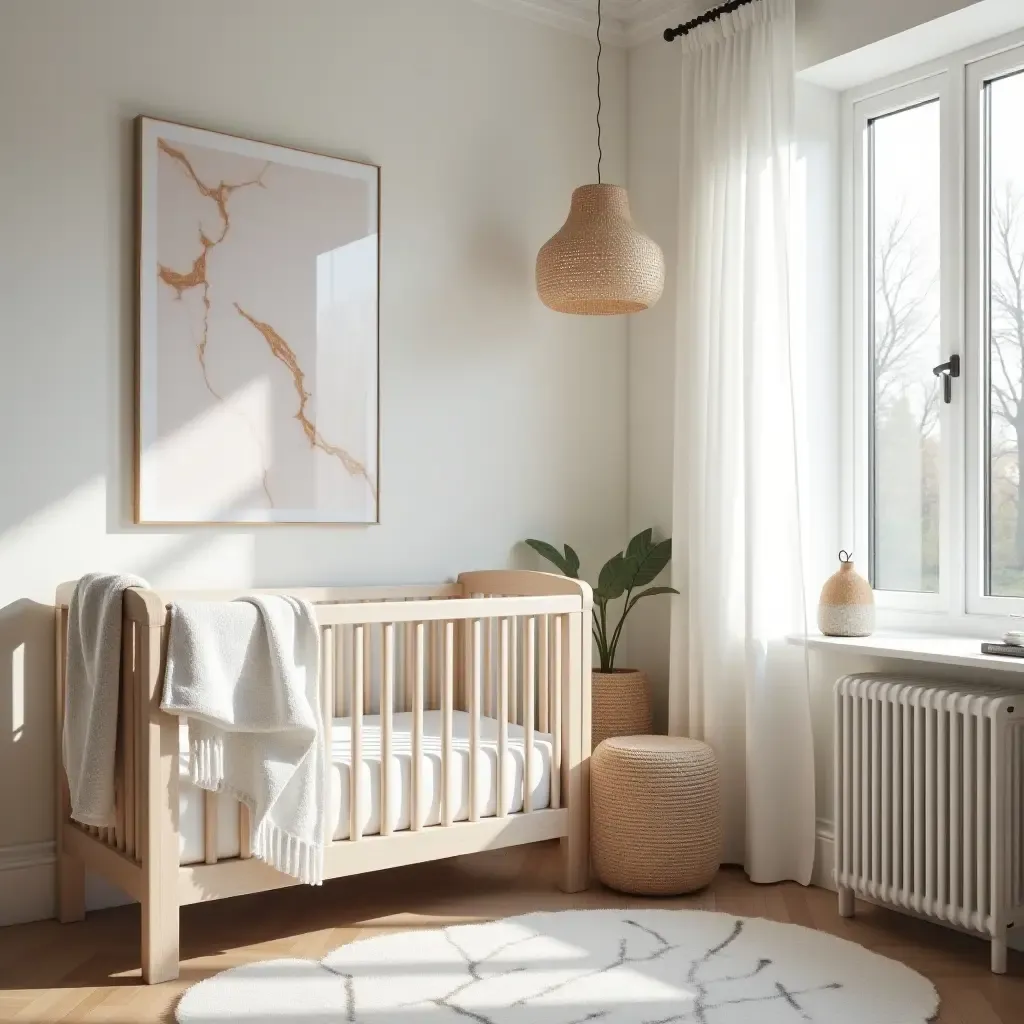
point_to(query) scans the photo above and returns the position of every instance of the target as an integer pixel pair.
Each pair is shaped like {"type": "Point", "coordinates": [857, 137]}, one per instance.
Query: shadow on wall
{"type": "Point", "coordinates": [26, 715]}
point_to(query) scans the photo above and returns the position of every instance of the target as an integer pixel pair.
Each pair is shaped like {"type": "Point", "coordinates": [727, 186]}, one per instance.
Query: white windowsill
{"type": "Point", "coordinates": [936, 650]}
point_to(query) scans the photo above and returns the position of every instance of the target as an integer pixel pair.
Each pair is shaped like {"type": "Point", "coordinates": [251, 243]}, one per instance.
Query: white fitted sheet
{"type": "Point", "coordinates": [192, 820]}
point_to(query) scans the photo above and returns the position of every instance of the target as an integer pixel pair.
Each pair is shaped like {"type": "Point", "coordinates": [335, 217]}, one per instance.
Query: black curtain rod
{"type": "Point", "coordinates": [713, 15]}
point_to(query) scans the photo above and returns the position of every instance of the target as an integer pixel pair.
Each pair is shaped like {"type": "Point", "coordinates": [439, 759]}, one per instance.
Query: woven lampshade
{"type": "Point", "coordinates": [598, 263]}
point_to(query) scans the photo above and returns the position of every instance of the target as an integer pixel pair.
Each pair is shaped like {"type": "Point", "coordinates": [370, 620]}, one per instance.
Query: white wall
{"type": "Point", "coordinates": [828, 28]}
{"type": "Point", "coordinates": [500, 419]}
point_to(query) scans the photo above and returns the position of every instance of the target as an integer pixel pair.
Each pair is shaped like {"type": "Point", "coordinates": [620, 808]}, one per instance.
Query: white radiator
{"type": "Point", "coordinates": [929, 801]}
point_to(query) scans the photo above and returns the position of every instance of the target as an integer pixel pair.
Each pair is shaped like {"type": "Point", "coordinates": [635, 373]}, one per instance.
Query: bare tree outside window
{"type": "Point", "coordinates": [905, 345]}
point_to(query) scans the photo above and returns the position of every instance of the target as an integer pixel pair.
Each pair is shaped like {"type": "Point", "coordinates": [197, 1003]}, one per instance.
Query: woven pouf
{"type": "Point", "coordinates": [620, 704]}
{"type": "Point", "coordinates": [656, 814]}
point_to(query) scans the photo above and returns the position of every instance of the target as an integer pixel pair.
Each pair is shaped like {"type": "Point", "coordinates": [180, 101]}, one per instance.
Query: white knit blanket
{"type": "Point", "coordinates": [244, 673]}
{"type": "Point", "coordinates": [91, 694]}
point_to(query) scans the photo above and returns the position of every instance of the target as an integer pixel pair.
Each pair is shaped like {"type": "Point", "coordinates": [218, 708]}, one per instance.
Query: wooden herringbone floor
{"type": "Point", "coordinates": [90, 971]}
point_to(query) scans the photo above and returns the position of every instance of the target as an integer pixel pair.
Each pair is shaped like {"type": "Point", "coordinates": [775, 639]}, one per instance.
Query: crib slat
{"type": "Point", "coordinates": [244, 832]}
{"type": "Point", "coordinates": [327, 670]}
{"type": "Point", "coordinates": [556, 715]}
{"type": "Point", "coordinates": [475, 650]}
{"type": "Point", "coordinates": [368, 670]}
{"type": "Point", "coordinates": [141, 701]}
{"type": "Point", "coordinates": [128, 734]}
{"type": "Point", "coordinates": [409, 665]}
{"type": "Point", "coordinates": [340, 690]}
{"type": "Point", "coordinates": [513, 696]}
{"type": "Point", "coordinates": [542, 682]}
{"type": "Point", "coordinates": [447, 811]}
{"type": "Point", "coordinates": [463, 638]}
{"type": "Point", "coordinates": [119, 783]}
{"type": "Point", "coordinates": [503, 667]}
{"type": "Point", "coordinates": [359, 673]}
{"type": "Point", "coordinates": [529, 671]}
{"type": "Point", "coordinates": [416, 808]}
{"type": "Point", "coordinates": [434, 665]}
{"type": "Point", "coordinates": [387, 701]}
{"type": "Point", "coordinates": [488, 675]}
{"type": "Point", "coordinates": [210, 826]}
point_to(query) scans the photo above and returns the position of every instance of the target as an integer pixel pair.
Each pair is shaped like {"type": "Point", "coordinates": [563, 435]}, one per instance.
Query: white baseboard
{"type": "Point", "coordinates": [824, 856]}
{"type": "Point", "coordinates": [27, 882]}
{"type": "Point", "coordinates": [28, 885]}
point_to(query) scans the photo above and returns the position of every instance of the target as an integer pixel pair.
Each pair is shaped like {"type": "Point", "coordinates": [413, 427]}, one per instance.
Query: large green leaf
{"type": "Point", "coordinates": [652, 592]}
{"type": "Point", "coordinates": [572, 561]}
{"type": "Point", "coordinates": [615, 577]}
{"type": "Point", "coordinates": [640, 545]}
{"type": "Point", "coordinates": [655, 559]}
{"type": "Point", "coordinates": [552, 554]}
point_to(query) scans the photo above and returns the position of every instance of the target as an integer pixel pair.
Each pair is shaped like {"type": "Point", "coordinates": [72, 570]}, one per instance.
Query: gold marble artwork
{"type": "Point", "coordinates": [258, 367]}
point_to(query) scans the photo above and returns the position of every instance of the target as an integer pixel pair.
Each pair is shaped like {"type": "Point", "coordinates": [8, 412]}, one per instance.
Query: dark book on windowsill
{"type": "Point", "coordinates": [1006, 650]}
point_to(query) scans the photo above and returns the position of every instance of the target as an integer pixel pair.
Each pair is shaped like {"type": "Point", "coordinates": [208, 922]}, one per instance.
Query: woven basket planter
{"type": "Point", "coordinates": [620, 705]}
{"type": "Point", "coordinates": [655, 814]}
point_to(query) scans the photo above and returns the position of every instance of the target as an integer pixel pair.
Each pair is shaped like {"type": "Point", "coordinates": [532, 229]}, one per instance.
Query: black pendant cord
{"type": "Point", "coordinates": [708, 16]}
{"type": "Point", "coordinates": [599, 153]}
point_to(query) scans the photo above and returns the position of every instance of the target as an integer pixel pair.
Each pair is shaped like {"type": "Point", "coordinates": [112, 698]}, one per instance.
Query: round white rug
{"type": "Point", "coordinates": [571, 967]}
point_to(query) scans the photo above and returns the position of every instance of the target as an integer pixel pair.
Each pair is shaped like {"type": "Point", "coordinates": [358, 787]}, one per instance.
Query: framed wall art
{"type": "Point", "coordinates": [257, 361]}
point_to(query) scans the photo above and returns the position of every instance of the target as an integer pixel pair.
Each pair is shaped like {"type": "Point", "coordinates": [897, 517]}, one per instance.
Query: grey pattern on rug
{"type": "Point", "coordinates": [571, 967]}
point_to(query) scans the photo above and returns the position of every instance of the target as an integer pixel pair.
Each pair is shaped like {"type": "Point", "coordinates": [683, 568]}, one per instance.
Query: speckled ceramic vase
{"type": "Point", "coordinates": [847, 604]}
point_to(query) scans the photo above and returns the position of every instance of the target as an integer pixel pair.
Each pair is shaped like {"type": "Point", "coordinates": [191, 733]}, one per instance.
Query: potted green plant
{"type": "Point", "coordinates": [621, 697]}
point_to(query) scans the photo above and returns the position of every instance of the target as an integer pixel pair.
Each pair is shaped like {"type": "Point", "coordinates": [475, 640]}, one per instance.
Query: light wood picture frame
{"type": "Point", "coordinates": [257, 358]}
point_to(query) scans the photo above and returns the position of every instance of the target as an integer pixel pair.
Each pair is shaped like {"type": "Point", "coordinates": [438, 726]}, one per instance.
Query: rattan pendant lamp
{"type": "Point", "coordinates": [598, 264]}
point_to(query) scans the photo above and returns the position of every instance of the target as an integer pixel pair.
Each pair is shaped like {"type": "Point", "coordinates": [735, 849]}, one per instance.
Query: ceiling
{"type": "Point", "coordinates": [624, 22]}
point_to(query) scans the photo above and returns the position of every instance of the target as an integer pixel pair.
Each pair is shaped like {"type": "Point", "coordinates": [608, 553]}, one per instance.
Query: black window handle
{"type": "Point", "coordinates": [947, 371]}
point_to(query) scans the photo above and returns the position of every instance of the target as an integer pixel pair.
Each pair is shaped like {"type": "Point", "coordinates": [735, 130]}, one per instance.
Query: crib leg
{"type": "Point", "coordinates": [159, 942]}
{"type": "Point", "coordinates": [845, 902]}
{"type": "Point", "coordinates": [999, 956]}
{"type": "Point", "coordinates": [159, 744]}
{"type": "Point", "coordinates": [70, 889]}
{"type": "Point", "coordinates": [575, 864]}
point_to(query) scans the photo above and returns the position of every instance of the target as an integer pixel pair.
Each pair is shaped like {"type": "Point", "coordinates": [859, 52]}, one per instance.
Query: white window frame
{"type": "Point", "coordinates": [978, 73]}
{"type": "Point", "coordinates": [956, 81]}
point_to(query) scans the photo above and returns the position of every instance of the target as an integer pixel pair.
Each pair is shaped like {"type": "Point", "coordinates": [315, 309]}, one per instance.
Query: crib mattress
{"type": "Point", "coordinates": [192, 819]}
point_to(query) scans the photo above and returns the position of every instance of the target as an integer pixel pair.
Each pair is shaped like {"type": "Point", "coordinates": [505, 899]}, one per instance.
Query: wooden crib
{"type": "Point", "coordinates": [507, 646]}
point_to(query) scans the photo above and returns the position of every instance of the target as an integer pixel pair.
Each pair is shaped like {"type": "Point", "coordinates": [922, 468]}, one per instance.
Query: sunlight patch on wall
{"type": "Point", "coordinates": [74, 534]}
{"type": "Point", "coordinates": [239, 424]}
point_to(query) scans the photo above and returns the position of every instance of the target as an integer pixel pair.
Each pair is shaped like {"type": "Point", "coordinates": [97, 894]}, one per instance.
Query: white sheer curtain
{"type": "Point", "coordinates": [738, 564]}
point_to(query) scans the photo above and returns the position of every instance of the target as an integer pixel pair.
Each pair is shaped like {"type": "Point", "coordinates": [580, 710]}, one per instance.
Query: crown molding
{"type": "Point", "coordinates": [624, 22]}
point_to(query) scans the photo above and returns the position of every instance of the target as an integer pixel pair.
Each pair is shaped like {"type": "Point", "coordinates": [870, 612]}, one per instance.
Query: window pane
{"type": "Point", "coordinates": [1004, 101]}
{"type": "Point", "coordinates": [903, 318]}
